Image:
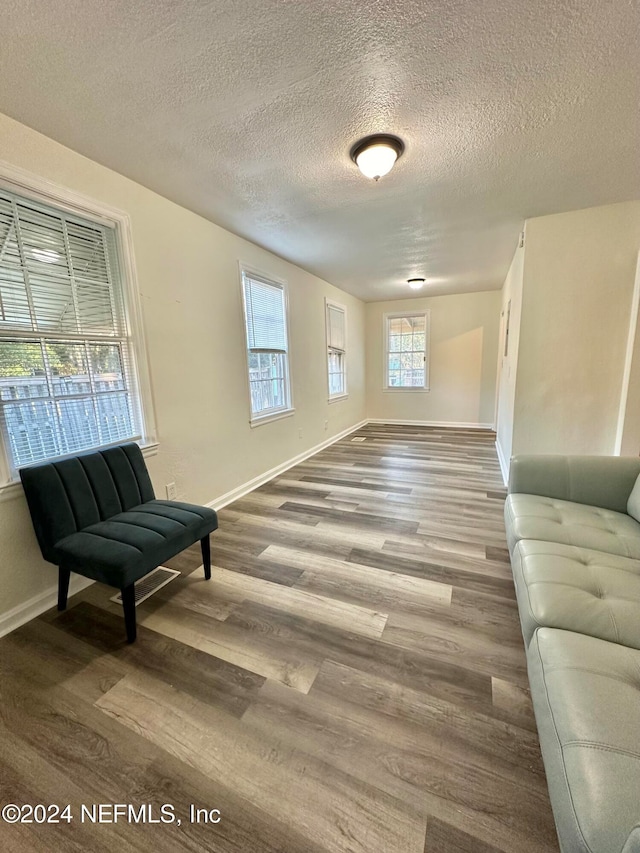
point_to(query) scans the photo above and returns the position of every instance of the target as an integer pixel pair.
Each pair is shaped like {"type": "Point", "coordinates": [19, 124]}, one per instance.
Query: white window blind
{"type": "Point", "coordinates": [336, 349]}
{"type": "Point", "coordinates": [265, 315]}
{"type": "Point", "coordinates": [265, 311]}
{"type": "Point", "coordinates": [66, 364]}
{"type": "Point", "coordinates": [335, 327]}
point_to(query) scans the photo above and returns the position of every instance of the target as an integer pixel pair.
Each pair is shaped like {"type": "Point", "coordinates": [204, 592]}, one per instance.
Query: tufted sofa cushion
{"type": "Point", "coordinates": [553, 520]}
{"type": "Point", "coordinates": [586, 696]}
{"type": "Point", "coordinates": [562, 586]}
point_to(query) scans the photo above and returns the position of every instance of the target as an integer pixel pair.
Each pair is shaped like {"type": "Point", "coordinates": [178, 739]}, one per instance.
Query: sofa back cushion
{"type": "Point", "coordinates": [71, 494]}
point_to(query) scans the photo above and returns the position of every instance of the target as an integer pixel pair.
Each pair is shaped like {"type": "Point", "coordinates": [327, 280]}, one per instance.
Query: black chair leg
{"type": "Point", "coordinates": [205, 544]}
{"type": "Point", "coordinates": [129, 607]}
{"type": "Point", "coordinates": [63, 587]}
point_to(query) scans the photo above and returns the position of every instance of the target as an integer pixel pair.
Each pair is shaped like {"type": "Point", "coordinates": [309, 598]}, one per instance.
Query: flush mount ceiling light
{"type": "Point", "coordinates": [376, 155]}
{"type": "Point", "coordinates": [415, 283]}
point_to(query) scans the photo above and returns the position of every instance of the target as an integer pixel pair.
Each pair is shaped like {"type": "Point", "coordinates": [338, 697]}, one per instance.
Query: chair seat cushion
{"type": "Point", "coordinates": [562, 586]}
{"type": "Point", "coordinates": [551, 520]}
{"type": "Point", "coordinates": [126, 546]}
{"type": "Point", "coordinates": [586, 695]}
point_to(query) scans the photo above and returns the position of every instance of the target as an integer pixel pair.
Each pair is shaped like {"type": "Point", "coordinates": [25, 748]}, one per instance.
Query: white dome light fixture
{"type": "Point", "coordinates": [376, 155]}
{"type": "Point", "coordinates": [415, 283]}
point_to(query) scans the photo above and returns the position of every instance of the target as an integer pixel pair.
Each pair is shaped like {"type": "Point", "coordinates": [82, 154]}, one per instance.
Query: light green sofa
{"type": "Point", "coordinates": [574, 540]}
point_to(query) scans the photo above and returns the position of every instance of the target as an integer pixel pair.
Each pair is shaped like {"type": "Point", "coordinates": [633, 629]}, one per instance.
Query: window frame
{"type": "Point", "coordinates": [42, 191]}
{"type": "Point", "coordinates": [342, 395]}
{"type": "Point", "coordinates": [385, 352]}
{"type": "Point", "coordinates": [267, 278]}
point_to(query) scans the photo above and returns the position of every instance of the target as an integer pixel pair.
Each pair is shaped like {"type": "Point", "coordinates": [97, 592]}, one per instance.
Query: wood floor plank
{"type": "Point", "coordinates": [276, 777]}
{"type": "Point", "coordinates": [444, 838]}
{"type": "Point", "coordinates": [412, 764]}
{"type": "Point", "coordinates": [395, 585]}
{"type": "Point", "coordinates": [232, 587]}
{"type": "Point", "coordinates": [260, 655]}
{"type": "Point", "coordinates": [410, 667]}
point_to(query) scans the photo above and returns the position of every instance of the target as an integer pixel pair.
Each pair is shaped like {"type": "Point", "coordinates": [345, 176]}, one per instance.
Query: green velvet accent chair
{"type": "Point", "coordinates": [96, 514]}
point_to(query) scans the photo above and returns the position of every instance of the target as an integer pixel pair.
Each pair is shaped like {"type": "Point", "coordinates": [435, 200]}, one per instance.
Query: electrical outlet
{"type": "Point", "coordinates": [326, 424]}
{"type": "Point", "coordinates": [299, 433]}
{"type": "Point", "coordinates": [172, 492]}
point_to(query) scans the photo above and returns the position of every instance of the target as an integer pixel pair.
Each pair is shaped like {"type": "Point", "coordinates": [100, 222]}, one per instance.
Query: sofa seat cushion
{"type": "Point", "coordinates": [126, 546]}
{"type": "Point", "coordinates": [562, 586]}
{"type": "Point", "coordinates": [551, 520]}
{"type": "Point", "coordinates": [586, 695]}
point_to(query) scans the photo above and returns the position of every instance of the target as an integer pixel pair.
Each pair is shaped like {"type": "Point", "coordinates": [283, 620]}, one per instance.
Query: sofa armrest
{"type": "Point", "coordinates": [604, 481]}
{"type": "Point", "coordinates": [633, 841]}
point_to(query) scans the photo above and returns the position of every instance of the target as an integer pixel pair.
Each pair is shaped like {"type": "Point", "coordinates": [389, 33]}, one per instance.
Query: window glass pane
{"type": "Point", "coordinates": [417, 360]}
{"type": "Point", "coordinates": [22, 373]}
{"type": "Point", "coordinates": [395, 343]}
{"type": "Point", "coordinates": [106, 367]}
{"type": "Point", "coordinates": [87, 252]}
{"type": "Point", "coordinates": [9, 249]}
{"type": "Point", "coordinates": [394, 377]}
{"type": "Point", "coordinates": [114, 417]}
{"type": "Point", "coordinates": [31, 430]}
{"type": "Point", "coordinates": [76, 424]}
{"type": "Point", "coordinates": [69, 370]}
{"type": "Point", "coordinates": [14, 306]}
{"type": "Point", "coordinates": [406, 343]}
{"type": "Point", "coordinates": [53, 304]}
{"type": "Point", "coordinates": [94, 309]}
{"type": "Point", "coordinates": [267, 382]}
{"type": "Point", "coordinates": [337, 384]}
{"type": "Point", "coordinates": [42, 238]}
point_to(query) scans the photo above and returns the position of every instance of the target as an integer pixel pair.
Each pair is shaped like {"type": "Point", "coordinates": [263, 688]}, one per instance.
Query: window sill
{"type": "Point", "coordinates": [410, 390]}
{"type": "Point", "coordinates": [266, 419]}
{"type": "Point", "coordinates": [337, 397]}
{"type": "Point", "coordinates": [13, 489]}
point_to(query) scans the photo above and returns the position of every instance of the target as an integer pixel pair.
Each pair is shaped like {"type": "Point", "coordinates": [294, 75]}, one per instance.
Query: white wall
{"type": "Point", "coordinates": [579, 273]}
{"type": "Point", "coordinates": [510, 312]}
{"type": "Point", "coordinates": [192, 311]}
{"type": "Point", "coordinates": [462, 354]}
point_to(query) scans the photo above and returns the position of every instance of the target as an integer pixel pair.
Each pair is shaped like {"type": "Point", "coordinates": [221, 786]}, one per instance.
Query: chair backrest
{"type": "Point", "coordinates": [71, 494]}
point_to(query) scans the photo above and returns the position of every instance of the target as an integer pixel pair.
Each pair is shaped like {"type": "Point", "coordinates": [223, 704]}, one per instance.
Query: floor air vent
{"type": "Point", "coordinates": [360, 438]}
{"type": "Point", "coordinates": [150, 583]}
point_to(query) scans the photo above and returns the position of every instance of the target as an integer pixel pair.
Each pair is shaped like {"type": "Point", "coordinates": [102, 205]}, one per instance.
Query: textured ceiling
{"type": "Point", "coordinates": [245, 110]}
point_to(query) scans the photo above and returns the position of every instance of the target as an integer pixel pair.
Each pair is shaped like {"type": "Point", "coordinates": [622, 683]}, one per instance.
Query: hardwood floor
{"type": "Point", "coordinates": [351, 680]}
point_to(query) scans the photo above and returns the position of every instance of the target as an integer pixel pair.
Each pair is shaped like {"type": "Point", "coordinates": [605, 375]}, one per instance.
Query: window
{"type": "Point", "coordinates": [336, 323]}
{"type": "Point", "coordinates": [265, 315]}
{"type": "Point", "coordinates": [67, 379]}
{"type": "Point", "coordinates": [406, 351]}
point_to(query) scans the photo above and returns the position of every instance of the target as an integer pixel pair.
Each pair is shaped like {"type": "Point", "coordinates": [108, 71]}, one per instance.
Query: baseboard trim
{"type": "Point", "coordinates": [244, 489]}
{"type": "Point", "coordinates": [443, 424]}
{"type": "Point", "coordinates": [27, 611]}
{"type": "Point", "coordinates": [504, 467]}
